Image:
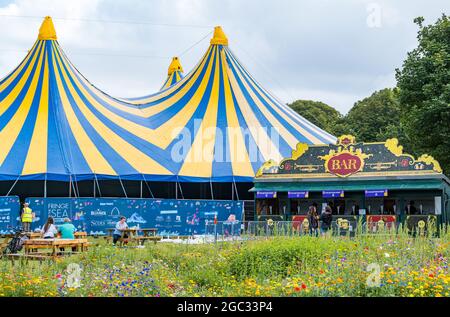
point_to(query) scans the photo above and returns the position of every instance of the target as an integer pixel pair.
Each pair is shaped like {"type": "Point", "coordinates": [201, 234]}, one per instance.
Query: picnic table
{"type": "Point", "coordinates": [132, 235]}
{"type": "Point", "coordinates": [38, 235]}
{"type": "Point", "coordinates": [55, 245]}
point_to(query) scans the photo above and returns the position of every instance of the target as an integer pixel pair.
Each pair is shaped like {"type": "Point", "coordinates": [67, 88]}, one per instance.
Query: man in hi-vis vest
{"type": "Point", "coordinates": [26, 217]}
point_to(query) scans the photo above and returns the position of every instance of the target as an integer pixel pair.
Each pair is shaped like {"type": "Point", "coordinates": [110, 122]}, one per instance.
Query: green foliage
{"type": "Point", "coordinates": [376, 118]}
{"type": "Point", "coordinates": [278, 257]}
{"type": "Point", "coordinates": [319, 113]}
{"type": "Point", "coordinates": [424, 91]}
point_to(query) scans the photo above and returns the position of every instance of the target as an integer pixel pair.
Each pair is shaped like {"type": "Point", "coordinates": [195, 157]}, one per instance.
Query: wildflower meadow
{"type": "Point", "coordinates": [372, 265]}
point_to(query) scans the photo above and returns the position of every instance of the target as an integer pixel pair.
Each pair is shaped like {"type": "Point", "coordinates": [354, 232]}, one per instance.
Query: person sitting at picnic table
{"type": "Point", "coordinates": [121, 225]}
{"type": "Point", "coordinates": [67, 229]}
{"type": "Point", "coordinates": [49, 230]}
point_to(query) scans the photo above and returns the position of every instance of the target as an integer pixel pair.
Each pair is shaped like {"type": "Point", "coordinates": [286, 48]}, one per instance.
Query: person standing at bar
{"type": "Point", "coordinates": [327, 218]}
{"type": "Point", "coordinates": [313, 219]}
{"type": "Point", "coordinates": [332, 208]}
{"type": "Point", "coordinates": [411, 209]}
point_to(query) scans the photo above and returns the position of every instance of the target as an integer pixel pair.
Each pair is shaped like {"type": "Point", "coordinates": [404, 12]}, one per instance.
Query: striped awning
{"type": "Point", "coordinates": [216, 124]}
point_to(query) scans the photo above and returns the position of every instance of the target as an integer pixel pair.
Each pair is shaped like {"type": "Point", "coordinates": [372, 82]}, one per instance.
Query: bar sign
{"type": "Point", "coordinates": [377, 193]}
{"type": "Point", "coordinates": [298, 194]}
{"type": "Point", "coordinates": [332, 193]}
{"type": "Point", "coordinates": [266, 194]}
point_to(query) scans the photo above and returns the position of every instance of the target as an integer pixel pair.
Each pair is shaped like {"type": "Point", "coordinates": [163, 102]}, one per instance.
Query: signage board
{"type": "Point", "coordinates": [376, 193]}
{"type": "Point", "coordinates": [298, 194]}
{"type": "Point", "coordinates": [266, 194]}
{"type": "Point", "coordinates": [333, 194]}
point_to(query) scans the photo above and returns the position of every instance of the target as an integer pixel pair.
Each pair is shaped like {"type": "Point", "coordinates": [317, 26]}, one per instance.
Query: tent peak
{"type": "Point", "coordinates": [219, 37]}
{"type": "Point", "coordinates": [47, 30]}
{"type": "Point", "coordinates": [175, 66]}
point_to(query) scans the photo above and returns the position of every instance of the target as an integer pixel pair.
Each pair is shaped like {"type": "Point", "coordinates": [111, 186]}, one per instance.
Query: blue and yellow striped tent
{"type": "Point", "coordinates": [245, 124]}
{"type": "Point", "coordinates": [174, 74]}
{"type": "Point", "coordinates": [216, 124]}
{"type": "Point", "coordinates": [55, 125]}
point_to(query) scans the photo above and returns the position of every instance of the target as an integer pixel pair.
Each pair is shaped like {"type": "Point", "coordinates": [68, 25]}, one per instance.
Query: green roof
{"type": "Point", "coordinates": [435, 184]}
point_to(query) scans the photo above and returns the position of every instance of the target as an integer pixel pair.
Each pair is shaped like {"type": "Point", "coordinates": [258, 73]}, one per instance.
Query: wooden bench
{"type": "Point", "coordinates": [55, 245]}
{"type": "Point", "coordinates": [4, 245]}
{"type": "Point", "coordinates": [34, 235]}
{"type": "Point", "coordinates": [141, 240]}
{"type": "Point", "coordinates": [133, 235]}
{"type": "Point", "coordinates": [39, 257]}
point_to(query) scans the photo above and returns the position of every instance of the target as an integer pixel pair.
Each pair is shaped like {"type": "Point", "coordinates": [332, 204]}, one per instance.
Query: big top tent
{"type": "Point", "coordinates": [217, 124]}
{"type": "Point", "coordinates": [234, 123]}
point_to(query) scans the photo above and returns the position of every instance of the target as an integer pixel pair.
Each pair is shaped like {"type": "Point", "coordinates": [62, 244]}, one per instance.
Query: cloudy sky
{"type": "Point", "coordinates": [333, 51]}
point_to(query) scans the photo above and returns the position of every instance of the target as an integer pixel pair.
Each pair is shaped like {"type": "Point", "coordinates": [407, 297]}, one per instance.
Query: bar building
{"type": "Point", "coordinates": [374, 180]}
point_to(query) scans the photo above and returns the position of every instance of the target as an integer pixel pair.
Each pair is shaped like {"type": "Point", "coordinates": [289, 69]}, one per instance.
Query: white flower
{"type": "Point", "coordinates": [386, 255]}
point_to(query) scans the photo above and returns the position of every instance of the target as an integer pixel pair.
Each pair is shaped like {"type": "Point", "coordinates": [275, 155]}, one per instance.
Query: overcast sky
{"type": "Point", "coordinates": [333, 51]}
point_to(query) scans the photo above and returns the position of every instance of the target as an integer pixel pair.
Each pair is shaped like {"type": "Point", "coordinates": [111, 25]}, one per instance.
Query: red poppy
{"type": "Point", "coordinates": [58, 275]}
{"type": "Point", "coordinates": [303, 286]}
{"type": "Point", "coordinates": [297, 289]}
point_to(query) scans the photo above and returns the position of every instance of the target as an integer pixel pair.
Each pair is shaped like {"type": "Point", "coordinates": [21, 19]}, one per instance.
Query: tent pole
{"type": "Point", "coordinates": [70, 186]}
{"type": "Point", "coordinates": [235, 187]}
{"type": "Point", "coordinates": [176, 190]}
{"type": "Point", "coordinates": [123, 187]}
{"type": "Point", "coordinates": [98, 185]}
{"type": "Point", "coordinates": [141, 190]}
{"type": "Point", "coordinates": [148, 186]}
{"type": "Point", "coordinates": [13, 185]}
{"type": "Point", "coordinates": [181, 190]}
{"type": "Point", "coordinates": [45, 186]}
{"type": "Point", "coordinates": [212, 190]}
{"type": "Point", "coordinates": [232, 191]}
{"type": "Point", "coordinates": [94, 186]}
{"type": "Point", "coordinates": [75, 187]}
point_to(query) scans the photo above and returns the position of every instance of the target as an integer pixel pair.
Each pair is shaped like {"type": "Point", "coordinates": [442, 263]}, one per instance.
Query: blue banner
{"type": "Point", "coordinates": [169, 216]}
{"type": "Point", "coordinates": [376, 193]}
{"type": "Point", "coordinates": [9, 213]}
{"type": "Point", "coordinates": [298, 194]}
{"type": "Point", "coordinates": [333, 194]}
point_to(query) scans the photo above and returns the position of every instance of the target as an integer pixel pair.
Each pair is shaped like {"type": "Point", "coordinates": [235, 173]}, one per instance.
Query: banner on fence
{"type": "Point", "coordinates": [169, 216]}
{"type": "Point", "coordinates": [9, 211]}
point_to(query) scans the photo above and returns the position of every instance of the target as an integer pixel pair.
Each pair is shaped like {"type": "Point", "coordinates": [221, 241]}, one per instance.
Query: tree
{"type": "Point", "coordinates": [319, 113]}
{"type": "Point", "coordinates": [376, 118]}
{"type": "Point", "coordinates": [424, 91]}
